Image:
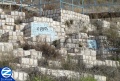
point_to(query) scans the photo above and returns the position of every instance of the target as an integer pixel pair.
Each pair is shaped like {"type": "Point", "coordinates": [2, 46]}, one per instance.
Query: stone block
{"type": "Point", "coordinates": [6, 47]}
{"type": "Point", "coordinates": [36, 55]}
{"type": "Point", "coordinates": [99, 63]}
{"type": "Point", "coordinates": [100, 78]}
{"type": "Point", "coordinates": [9, 21]}
{"type": "Point", "coordinates": [1, 10]}
{"type": "Point", "coordinates": [20, 76]}
{"type": "Point", "coordinates": [55, 64]}
{"type": "Point", "coordinates": [16, 13]}
{"type": "Point", "coordinates": [29, 61]}
{"type": "Point", "coordinates": [63, 51]}
{"type": "Point", "coordinates": [2, 22]}
{"type": "Point", "coordinates": [103, 23]}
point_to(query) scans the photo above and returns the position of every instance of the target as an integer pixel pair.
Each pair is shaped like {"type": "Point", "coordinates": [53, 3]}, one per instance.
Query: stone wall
{"type": "Point", "coordinates": [63, 15]}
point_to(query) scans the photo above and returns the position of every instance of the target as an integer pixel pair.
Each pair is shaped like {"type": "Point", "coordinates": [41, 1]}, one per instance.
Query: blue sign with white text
{"type": "Point", "coordinates": [6, 74]}
{"type": "Point", "coordinates": [92, 44]}
{"type": "Point", "coordinates": [42, 29]}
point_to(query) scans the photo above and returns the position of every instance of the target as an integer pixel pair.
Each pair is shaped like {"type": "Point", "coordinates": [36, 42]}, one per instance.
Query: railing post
{"type": "Point", "coordinates": [72, 5]}
{"type": "Point", "coordinates": [61, 4]}
{"type": "Point", "coordinates": [21, 5]}
{"type": "Point", "coordinates": [82, 6]}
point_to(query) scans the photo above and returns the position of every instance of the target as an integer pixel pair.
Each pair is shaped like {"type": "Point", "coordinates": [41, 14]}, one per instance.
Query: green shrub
{"type": "Point", "coordinates": [88, 79]}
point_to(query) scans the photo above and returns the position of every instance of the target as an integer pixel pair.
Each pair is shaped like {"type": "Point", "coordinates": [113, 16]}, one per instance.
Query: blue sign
{"type": "Point", "coordinates": [6, 74]}
{"type": "Point", "coordinates": [92, 44]}
{"type": "Point", "coordinates": [42, 29]}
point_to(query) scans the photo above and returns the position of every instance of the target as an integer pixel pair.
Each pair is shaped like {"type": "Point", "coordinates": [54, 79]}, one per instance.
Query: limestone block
{"type": "Point", "coordinates": [36, 54]}
{"type": "Point", "coordinates": [70, 45]}
{"type": "Point", "coordinates": [81, 35]}
{"type": "Point", "coordinates": [93, 58]}
{"type": "Point", "coordinates": [75, 41]}
{"type": "Point", "coordinates": [108, 63]}
{"type": "Point", "coordinates": [16, 13]}
{"type": "Point", "coordinates": [6, 27]}
{"type": "Point", "coordinates": [111, 63]}
{"type": "Point", "coordinates": [2, 22]}
{"type": "Point", "coordinates": [26, 53]}
{"type": "Point", "coordinates": [93, 52]}
{"type": "Point", "coordinates": [102, 37]}
{"type": "Point", "coordinates": [82, 57]}
{"type": "Point", "coordinates": [114, 64]}
{"type": "Point", "coordinates": [99, 63]}
{"type": "Point", "coordinates": [103, 23]}
{"type": "Point", "coordinates": [91, 62]}
{"type": "Point", "coordinates": [54, 64]}
{"type": "Point", "coordinates": [100, 78]}
{"type": "Point", "coordinates": [6, 47]}
{"type": "Point", "coordinates": [1, 10]}
{"type": "Point", "coordinates": [28, 61]}
{"type": "Point", "coordinates": [2, 16]}
{"type": "Point", "coordinates": [9, 21]}
{"type": "Point", "coordinates": [63, 51]}
{"type": "Point", "coordinates": [21, 76]}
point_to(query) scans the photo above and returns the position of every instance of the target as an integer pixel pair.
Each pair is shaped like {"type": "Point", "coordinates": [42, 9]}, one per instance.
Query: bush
{"type": "Point", "coordinates": [6, 59]}
{"type": "Point", "coordinates": [56, 43]}
{"type": "Point", "coordinates": [48, 51]}
{"type": "Point", "coordinates": [68, 23]}
{"type": "Point", "coordinates": [110, 72]}
{"type": "Point", "coordinates": [69, 64]}
{"type": "Point", "coordinates": [18, 21]}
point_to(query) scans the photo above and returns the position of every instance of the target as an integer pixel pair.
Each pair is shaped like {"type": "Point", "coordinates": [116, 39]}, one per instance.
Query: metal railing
{"type": "Point", "coordinates": [80, 6]}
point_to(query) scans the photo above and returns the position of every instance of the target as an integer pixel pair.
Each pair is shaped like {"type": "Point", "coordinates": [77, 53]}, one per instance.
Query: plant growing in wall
{"type": "Point", "coordinates": [80, 44]}
{"type": "Point", "coordinates": [56, 43]}
{"type": "Point", "coordinates": [68, 23]}
{"type": "Point", "coordinates": [18, 21]}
